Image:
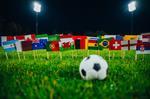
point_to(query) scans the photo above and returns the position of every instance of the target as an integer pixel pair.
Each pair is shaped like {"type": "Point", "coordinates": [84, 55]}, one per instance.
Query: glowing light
{"type": "Point", "coordinates": [37, 7]}
{"type": "Point", "coordinates": [132, 6]}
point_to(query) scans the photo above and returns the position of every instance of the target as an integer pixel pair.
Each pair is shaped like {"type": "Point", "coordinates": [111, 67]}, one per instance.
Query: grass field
{"type": "Point", "coordinates": [43, 78]}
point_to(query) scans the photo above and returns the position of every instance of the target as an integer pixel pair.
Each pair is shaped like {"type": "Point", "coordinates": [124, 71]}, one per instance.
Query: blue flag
{"type": "Point", "coordinates": [9, 46]}
{"type": "Point", "coordinates": [118, 37]}
{"type": "Point", "coordinates": [43, 41]}
{"type": "Point", "coordinates": [36, 46]}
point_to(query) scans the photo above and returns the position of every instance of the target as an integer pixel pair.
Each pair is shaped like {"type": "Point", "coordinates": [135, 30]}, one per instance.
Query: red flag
{"type": "Point", "coordinates": [115, 45]}
{"type": "Point", "coordinates": [10, 38]}
{"type": "Point", "coordinates": [26, 45]}
{"type": "Point", "coordinates": [30, 37]}
{"type": "Point", "coordinates": [52, 46]}
{"type": "Point", "coordinates": [65, 36]}
{"type": "Point", "coordinates": [20, 38]}
{"type": "Point", "coordinates": [80, 42]}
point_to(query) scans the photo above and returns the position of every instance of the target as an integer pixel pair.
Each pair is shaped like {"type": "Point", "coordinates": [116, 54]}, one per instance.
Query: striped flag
{"type": "Point", "coordinates": [42, 36]}
{"type": "Point", "coordinates": [9, 46]}
{"type": "Point", "coordinates": [146, 37]}
{"type": "Point", "coordinates": [130, 37]}
{"type": "Point", "coordinates": [142, 47]}
{"type": "Point", "coordinates": [23, 46]}
{"type": "Point", "coordinates": [93, 43]}
{"type": "Point", "coordinates": [80, 42]}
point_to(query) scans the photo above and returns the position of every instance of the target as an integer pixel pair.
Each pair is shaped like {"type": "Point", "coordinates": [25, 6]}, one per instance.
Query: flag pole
{"type": "Point", "coordinates": [18, 56]}
{"type": "Point", "coordinates": [76, 53]}
{"type": "Point", "coordinates": [97, 51]}
{"type": "Point", "coordinates": [60, 55]}
{"type": "Point", "coordinates": [136, 57]}
{"type": "Point", "coordinates": [113, 55]}
{"type": "Point", "coordinates": [124, 54]}
{"type": "Point", "coordinates": [72, 54]}
{"type": "Point", "coordinates": [6, 55]}
{"type": "Point", "coordinates": [24, 55]}
{"type": "Point", "coordinates": [88, 52]}
{"type": "Point", "coordinates": [143, 56]}
{"type": "Point", "coordinates": [34, 54]}
{"type": "Point", "coordinates": [109, 55]}
{"type": "Point", "coordinates": [47, 55]}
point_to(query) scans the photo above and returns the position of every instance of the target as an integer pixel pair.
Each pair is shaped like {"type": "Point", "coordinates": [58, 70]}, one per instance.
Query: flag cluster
{"type": "Point", "coordinates": [139, 43]}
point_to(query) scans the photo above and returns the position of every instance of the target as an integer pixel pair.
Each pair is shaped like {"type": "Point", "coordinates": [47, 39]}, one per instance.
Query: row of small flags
{"type": "Point", "coordinates": [140, 43]}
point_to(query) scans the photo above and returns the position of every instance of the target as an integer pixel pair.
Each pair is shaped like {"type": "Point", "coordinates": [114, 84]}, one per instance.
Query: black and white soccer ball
{"type": "Point", "coordinates": [93, 67]}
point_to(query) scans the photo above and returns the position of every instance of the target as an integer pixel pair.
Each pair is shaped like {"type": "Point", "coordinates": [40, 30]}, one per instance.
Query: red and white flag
{"type": "Point", "coordinates": [114, 45]}
{"type": "Point", "coordinates": [30, 37]}
{"type": "Point", "coordinates": [19, 38]}
{"type": "Point", "coordinates": [146, 37]}
{"type": "Point", "coordinates": [6, 38]}
{"type": "Point", "coordinates": [128, 45]}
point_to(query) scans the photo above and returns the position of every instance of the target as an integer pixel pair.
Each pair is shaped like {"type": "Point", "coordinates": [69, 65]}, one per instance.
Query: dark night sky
{"type": "Point", "coordinates": [111, 16]}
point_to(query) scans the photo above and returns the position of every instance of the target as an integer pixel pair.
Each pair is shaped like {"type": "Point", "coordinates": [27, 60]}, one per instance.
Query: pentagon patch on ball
{"type": "Point", "coordinates": [93, 67]}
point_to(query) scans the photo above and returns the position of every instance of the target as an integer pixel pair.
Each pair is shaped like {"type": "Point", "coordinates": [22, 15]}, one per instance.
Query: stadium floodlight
{"type": "Point", "coordinates": [37, 7]}
{"type": "Point", "coordinates": [132, 6]}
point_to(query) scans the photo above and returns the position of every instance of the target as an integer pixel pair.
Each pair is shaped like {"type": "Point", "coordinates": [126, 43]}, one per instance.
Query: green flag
{"type": "Point", "coordinates": [103, 43]}
{"type": "Point", "coordinates": [66, 44]}
{"type": "Point", "coordinates": [52, 46]}
{"type": "Point", "coordinates": [41, 36]}
{"type": "Point", "coordinates": [53, 37]}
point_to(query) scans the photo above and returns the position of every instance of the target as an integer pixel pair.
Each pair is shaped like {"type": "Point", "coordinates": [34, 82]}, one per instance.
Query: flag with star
{"type": "Point", "coordinates": [38, 45]}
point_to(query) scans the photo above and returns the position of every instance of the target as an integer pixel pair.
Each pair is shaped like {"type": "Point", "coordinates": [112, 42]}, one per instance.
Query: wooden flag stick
{"type": "Point", "coordinates": [88, 52]}
{"type": "Point", "coordinates": [60, 54]}
{"type": "Point", "coordinates": [124, 53]}
{"type": "Point", "coordinates": [18, 55]}
{"type": "Point", "coordinates": [6, 55]}
{"type": "Point", "coordinates": [143, 56]}
{"type": "Point", "coordinates": [47, 55]}
{"type": "Point", "coordinates": [136, 57]}
{"type": "Point", "coordinates": [24, 55]}
{"type": "Point", "coordinates": [109, 55]}
{"type": "Point", "coordinates": [113, 55]}
{"type": "Point", "coordinates": [97, 51]}
{"type": "Point", "coordinates": [72, 54]}
{"type": "Point", "coordinates": [76, 53]}
{"type": "Point", "coordinates": [34, 54]}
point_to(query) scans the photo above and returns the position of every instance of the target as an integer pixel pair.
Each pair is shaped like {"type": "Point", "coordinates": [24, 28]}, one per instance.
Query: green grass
{"type": "Point", "coordinates": [43, 78]}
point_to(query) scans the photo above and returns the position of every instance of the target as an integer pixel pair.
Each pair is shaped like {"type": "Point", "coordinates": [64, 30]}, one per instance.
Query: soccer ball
{"type": "Point", "coordinates": [93, 67]}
